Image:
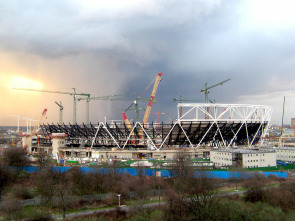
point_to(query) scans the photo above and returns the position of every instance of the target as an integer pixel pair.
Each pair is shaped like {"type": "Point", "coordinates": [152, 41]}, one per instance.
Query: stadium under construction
{"type": "Point", "coordinates": [199, 126]}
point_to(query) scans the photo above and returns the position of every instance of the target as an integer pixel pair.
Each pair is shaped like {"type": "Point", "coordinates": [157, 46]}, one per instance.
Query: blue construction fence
{"type": "Point", "coordinates": [164, 173]}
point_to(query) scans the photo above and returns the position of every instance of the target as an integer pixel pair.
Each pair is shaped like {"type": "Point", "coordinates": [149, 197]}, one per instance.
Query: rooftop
{"type": "Point", "coordinates": [244, 151]}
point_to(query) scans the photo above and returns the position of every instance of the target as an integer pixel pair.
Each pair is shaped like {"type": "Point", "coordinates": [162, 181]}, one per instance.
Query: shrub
{"type": "Point", "coordinates": [12, 208]}
{"type": "Point", "coordinates": [22, 192]}
{"type": "Point", "coordinates": [40, 216]}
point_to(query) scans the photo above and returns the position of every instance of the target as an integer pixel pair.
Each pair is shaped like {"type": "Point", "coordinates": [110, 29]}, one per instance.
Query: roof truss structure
{"type": "Point", "coordinates": [222, 125]}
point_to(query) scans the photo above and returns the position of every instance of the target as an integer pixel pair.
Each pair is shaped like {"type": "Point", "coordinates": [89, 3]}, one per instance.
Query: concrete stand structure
{"type": "Point", "coordinates": [58, 142]}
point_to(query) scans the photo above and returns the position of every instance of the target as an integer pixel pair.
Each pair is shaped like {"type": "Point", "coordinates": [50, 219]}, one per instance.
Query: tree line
{"type": "Point", "coordinates": [188, 194]}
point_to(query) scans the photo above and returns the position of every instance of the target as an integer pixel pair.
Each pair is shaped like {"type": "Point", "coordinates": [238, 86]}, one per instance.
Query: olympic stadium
{"type": "Point", "coordinates": [198, 125]}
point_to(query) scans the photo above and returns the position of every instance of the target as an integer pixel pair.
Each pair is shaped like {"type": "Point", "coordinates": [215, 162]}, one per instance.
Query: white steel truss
{"type": "Point", "coordinates": [102, 126]}
{"type": "Point", "coordinates": [198, 124]}
{"type": "Point", "coordinates": [223, 112]}
{"type": "Point", "coordinates": [217, 114]}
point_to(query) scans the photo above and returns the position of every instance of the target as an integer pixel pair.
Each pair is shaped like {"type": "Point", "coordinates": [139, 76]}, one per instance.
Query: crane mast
{"type": "Point", "coordinates": [149, 107]}
{"type": "Point", "coordinates": [206, 89]}
{"type": "Point", "coordinates": [150, 104]}
{"type": "Point", "coordinates": [180, 100]}
{"type": "Point", "coordinates": [136, 107]}
{"type": "Point", "coordinates": [61, 107]}
{"type": "Point", "coordinates": [127, 122]}
{"type": "Point", "coordinates": [88, 99]}
{"type": "Point", "coordinates": [74, 100]}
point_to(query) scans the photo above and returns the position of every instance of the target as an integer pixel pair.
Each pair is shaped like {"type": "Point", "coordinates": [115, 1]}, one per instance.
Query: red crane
{"type": "Point", "coordinates": [151, 101]}
{"type": "Point", "coordinates": [149, 107]}
{"type": "Point", "coordinates": [158, 113]}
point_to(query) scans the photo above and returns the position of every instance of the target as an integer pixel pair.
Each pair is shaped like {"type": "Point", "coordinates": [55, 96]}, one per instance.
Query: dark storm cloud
{"type": "Point", "coordinates": [191, 42]}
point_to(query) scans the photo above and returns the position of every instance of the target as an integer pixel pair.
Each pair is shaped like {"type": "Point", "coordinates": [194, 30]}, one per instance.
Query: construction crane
{"type": "Point", "coordinates": [18, 117]}
{"type": "Point", "coordinates": [135, 103]}
{"type": "Point", "coordinates": [206, 89]}
{"type": "Point", "coordinates": [136, 109]}
{"type": "Point", "coordinates": [136, 106]}
{"type": "Point", "coordinates": [180, 100]}
{"type": "Point", "coordinates": [61, 107]}
{"type": "Point", "coordinates": [106, 97]}
{"type": "Point", "coordinates": [150, 104]}
{"type": "Point", "coordinates": [34, 131]}
{"type": "Point", "coordinates": [74, 94]}
{"type": "Point", "coordinates": [157, 113]}
{"type": "Point", "coordinates": [88, 99]}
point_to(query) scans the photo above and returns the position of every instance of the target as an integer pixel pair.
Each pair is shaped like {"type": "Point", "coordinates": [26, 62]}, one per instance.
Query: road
{"type": "Point", "coordinates": [123, 208]}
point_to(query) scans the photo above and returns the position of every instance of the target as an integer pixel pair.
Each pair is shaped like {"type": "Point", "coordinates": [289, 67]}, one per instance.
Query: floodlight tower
{"type": "Point", "coordinates": [18, 117]}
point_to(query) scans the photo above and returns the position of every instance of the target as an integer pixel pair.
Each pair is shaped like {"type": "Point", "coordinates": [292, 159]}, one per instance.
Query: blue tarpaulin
{"type": "Point", "coordinates": [164, 173]}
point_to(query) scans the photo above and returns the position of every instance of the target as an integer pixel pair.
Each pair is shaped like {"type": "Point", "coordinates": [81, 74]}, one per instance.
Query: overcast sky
{"type": "Point", "coordinates": [118, 47]}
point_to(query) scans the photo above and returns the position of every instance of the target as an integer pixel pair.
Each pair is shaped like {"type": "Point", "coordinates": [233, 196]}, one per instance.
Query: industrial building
{"type": "Point", "coordinates": [243, 158]}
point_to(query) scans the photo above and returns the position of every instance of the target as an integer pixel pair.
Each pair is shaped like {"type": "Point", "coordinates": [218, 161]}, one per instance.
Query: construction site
{"type": "Point", "coordinates": [199, 128]}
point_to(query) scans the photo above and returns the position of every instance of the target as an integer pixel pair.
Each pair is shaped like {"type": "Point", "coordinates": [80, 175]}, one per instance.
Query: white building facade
{"type": "Point", "coordinates": [243, 158]}
{"type": "Point", "coordinates": [286, 154]}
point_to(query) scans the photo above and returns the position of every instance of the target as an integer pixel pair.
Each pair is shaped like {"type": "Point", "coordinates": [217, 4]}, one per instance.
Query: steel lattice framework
{"type": "Point", "coordinates": [197, 125]}
{"type": "Point", "coordinates": [223, 124]}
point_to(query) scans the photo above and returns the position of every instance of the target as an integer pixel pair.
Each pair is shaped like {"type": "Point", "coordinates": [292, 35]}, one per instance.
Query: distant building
{"type": "Point", "coordinates": [285, 154]}
{"type": "Point", "coordinates": [293, 123]}
{"type": "Point", "coordinates": [287, 132]}
{"type": "Point", "coordinates": [243, 158]}
{"type": "Point", "coordinates": [275, 127]}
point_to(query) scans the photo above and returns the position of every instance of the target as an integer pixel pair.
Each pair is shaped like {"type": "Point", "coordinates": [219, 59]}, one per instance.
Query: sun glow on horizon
{"type": "Point", "coordinates": [24, 82]}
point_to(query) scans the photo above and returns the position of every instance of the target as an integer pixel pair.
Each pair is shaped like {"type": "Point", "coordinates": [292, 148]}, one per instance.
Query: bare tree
{"type": "Point", "coordinates": [176, 191]}
{"type": "Point", "coordinates": [80, 182]}
{"type": "Point", "coordinates": [237, 175]}
{"type": "Point", "coordinates": [64, 192]}
{"type": "Point", "coordinates": [141, 184]}
{"type": "Point", "coordinates": [158, 185]}
{"type": "Point", "coordinates": [15, 157]}
{"type": "Point", "coordinates": [12, 208]}
{"type": "Point", "coordinates": [6, 178]}
{"type": "Point", "coordinates": [113, 180]}
{"type": "Point", "coordinates": [255, 188]}
{"type": "Point", "coordinates": [45, 182]}
{"type": "Point", "coordinates": [43, 160]}
{"type": "Point", "coordinates": [191, 194]}
{"type": "Point", "coordinates": [202, 196]}
{"type": "Point", "coordinates": [98, 181]}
